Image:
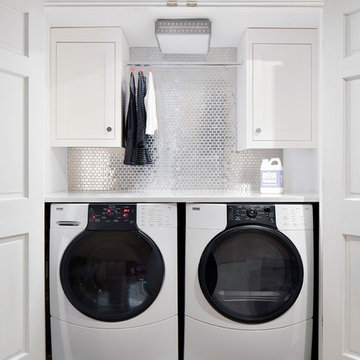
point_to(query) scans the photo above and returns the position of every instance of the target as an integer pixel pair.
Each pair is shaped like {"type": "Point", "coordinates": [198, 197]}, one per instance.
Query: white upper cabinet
{"type": "Point", "coordinates": [87, 86]}
{"type": "Point", "coordinates": [277, 100]}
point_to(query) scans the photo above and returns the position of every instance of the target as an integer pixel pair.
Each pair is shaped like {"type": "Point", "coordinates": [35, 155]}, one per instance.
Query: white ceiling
{"type": "Point", "coordinates": [138, 23]}
{"type": "Point", "coordinates": [184, 1]}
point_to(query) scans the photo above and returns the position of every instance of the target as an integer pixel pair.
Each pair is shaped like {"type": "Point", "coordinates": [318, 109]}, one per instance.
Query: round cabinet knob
{"type": "Point", "coordinates": [258, 130]}
{"type": "Point", "coordinates": [109, 129]}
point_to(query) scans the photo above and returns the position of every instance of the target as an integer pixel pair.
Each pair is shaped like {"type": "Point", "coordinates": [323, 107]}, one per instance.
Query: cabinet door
{"type": "Point", "coordinates": [340, 193]}
{"type": "Point", "coordinates": [22, 313]}
{"type": "Point", "coordinates": [86, 81]}
{"type": "Point", "coordinates": [282, 92]}
{"type": "Point", "coordinates": [278, 88]}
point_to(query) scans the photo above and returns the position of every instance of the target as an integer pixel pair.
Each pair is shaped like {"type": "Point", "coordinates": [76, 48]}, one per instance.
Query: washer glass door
{"type": "Point", "coordinates": [251, 274]}
{"type": "Point", "coordinates": [112, 275]}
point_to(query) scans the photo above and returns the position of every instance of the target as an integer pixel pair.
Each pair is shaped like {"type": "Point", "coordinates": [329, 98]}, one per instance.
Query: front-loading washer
{"type": "Point", "coordinates": [248, 281]}
{"type": "Point", "coordinates": [113, 281]}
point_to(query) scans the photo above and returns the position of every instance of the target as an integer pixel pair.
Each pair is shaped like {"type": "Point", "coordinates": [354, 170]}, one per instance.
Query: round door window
{"type": "Point", "coordinates": [251, 274]}
{"type": "Point", "coordinates": [112, 275]}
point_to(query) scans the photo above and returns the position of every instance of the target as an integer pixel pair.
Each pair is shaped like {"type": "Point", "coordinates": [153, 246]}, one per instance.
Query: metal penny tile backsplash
{"type": "Point", "coordinates": [195, 146]}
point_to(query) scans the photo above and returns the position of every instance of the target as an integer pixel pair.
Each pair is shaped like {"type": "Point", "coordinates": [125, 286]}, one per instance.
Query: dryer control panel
{"type": "Point", "coordinates": [112, 217]}
{"type": "Point", "coordinates": [255, 214]}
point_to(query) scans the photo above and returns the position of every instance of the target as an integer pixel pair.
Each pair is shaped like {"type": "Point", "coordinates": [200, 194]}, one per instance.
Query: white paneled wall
{"type": "Point", "coordinates": [352, 109]}
{"type": "Point", "coordinates": [13, 134]}
{"type": "Point", "coordinates": [13, 30]}
{"type": "Point", "coordinates": [352, 295]}
{"type": "Point", "coordinates": [14, 255]}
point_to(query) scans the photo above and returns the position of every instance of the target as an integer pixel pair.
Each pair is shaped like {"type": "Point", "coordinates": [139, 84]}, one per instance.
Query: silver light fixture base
{"type": "Point", "coordinates": [183, 36]}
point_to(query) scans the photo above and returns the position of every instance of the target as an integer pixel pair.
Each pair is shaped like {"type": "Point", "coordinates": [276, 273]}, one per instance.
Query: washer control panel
{"type": "Point", "coordinates": [256, 214]}
{"type": "Point", "coordinates": [294, 217]}
{"type": "Point", "coordinates": [112, 217]}
{"type": "Point", "coordinates": [157, 215]}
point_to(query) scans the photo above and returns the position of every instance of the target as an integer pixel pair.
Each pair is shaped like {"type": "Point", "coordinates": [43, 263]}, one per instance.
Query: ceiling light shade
{"type": "Point", "coordinates": [183, 36]}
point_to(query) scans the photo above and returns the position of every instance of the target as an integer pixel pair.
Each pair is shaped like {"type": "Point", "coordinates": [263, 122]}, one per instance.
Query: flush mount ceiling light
{"type": "Point", "coordinates": [183, 36]}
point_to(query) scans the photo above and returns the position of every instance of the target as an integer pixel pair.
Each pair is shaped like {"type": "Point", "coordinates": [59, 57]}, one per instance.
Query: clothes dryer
{"type": "Point", "coordinates": [113, 281]}
{"type": "Point", "coordinates": [248, 282]}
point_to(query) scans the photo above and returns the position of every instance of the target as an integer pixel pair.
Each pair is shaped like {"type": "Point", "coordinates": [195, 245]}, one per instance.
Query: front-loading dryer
{"type": "Point", "coordinates": [248, 282]}
{"type": "Point", "coordinates": [113, 281]}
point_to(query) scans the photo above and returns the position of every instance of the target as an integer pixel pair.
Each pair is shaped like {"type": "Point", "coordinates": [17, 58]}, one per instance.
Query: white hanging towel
{"type": "Point", "coordinates": [150, 106]}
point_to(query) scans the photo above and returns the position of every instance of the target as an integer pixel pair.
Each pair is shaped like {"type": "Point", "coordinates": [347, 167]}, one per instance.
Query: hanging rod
{"type": "Point", "coordinates": [188, 64]}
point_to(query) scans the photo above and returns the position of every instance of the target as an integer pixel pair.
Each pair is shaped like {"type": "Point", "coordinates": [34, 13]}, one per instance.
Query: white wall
{"type": "Point", "coordinates": [228, 23]}
{"type": "Point", "coordinates": [301, 170]}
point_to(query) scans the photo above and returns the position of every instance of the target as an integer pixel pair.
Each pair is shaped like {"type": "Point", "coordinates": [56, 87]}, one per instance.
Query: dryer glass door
{"type": "Point", "coordinates": [251, 274]}
{"type": "Point", "coordinates": [112, 275]}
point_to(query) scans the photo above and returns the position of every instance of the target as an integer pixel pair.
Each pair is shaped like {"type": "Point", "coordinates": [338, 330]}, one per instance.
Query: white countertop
{"type": "Point", "coordinates": [209, 196]}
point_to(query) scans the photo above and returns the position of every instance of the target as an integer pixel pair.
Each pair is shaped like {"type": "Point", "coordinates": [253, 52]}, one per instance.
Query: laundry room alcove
{"type": "Point", "coordinates": [194, 151]}
{"type": "Point", "coordinates": [195, 147]}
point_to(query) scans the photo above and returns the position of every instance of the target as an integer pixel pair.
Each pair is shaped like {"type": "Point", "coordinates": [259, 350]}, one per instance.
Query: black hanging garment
{"type": "Point", "coordinates": [141, 154]}
{"type": "Point", "coordinates": [131, 123]}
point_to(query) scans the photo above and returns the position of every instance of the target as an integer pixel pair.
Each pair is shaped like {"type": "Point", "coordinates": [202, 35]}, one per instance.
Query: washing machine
{"type": "Point", "coordinates": [249, 281]}
{"type": "Point", "coordinates": [113, 281]}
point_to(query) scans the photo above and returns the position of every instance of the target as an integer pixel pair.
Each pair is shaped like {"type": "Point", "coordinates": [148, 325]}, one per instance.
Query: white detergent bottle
{"type": "Point", "coordinates": [271, 176]}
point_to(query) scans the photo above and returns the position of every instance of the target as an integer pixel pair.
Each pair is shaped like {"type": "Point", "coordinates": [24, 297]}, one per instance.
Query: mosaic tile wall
{"type": "Point", "coordinates": [195, 146]}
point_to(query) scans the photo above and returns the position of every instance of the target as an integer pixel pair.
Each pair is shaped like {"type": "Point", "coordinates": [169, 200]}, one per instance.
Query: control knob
{"type": "Point", "coordinates": [111, 213]}
{"type": "Point", "coordinates": [251, 213]}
